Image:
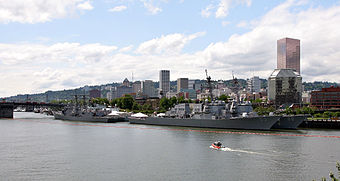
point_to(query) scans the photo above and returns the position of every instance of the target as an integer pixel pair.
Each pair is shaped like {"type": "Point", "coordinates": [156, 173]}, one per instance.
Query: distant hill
{"type": "Point", "coordinates": [309, 86]}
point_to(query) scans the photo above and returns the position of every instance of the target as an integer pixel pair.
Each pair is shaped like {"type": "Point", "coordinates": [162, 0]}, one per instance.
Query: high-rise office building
{"type": "Point", "coordinates": [164, 81]}
{"type": "Point", "coordinates": [182, 83]}
{"type": "Point", "coordinates": [284, 87]}
{"type": "Point", "coordinates": [194, 84]}
{"type": "Point", "coordinates": [288, 54]}
{"type": "Point", "coordinates": [137, 87]}
{"type": "Point", "coordinates": [254, 84]}
{"type": "Point", "coordinates": [148, 88]}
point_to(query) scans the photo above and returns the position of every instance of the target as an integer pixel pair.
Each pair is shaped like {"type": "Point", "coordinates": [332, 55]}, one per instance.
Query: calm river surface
{"type": "Point", "coordinates": [38, 147]}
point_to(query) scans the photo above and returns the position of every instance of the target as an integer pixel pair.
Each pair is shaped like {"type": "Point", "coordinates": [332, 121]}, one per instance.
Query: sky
{"type": "Point", "coordinates": [63, 44]}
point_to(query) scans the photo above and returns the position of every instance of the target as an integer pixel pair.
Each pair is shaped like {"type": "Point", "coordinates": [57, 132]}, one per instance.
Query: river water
{"type": "Point", "coordinates": [38, 147]}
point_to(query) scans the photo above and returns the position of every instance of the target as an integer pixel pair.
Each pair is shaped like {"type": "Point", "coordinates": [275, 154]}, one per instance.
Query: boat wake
{"type": "Point", "coordinates": [239, 151]}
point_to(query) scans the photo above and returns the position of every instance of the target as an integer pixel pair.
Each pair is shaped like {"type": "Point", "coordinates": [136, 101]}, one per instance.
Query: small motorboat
{"type": "Point", "coordinates": [217, 145]}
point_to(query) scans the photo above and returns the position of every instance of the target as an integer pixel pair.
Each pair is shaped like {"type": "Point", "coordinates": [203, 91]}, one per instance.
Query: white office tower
{"type": "Point", "coordinates": [254, 84]}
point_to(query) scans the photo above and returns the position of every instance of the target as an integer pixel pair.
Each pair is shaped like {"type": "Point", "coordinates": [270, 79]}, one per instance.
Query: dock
{"type": "Point", "coordinates": [321, 123]}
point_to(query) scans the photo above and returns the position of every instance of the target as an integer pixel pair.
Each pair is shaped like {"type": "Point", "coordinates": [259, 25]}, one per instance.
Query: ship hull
{"type": "Point", "coordinates": [289, 122]}
{"type": "Point", "coordinates": [89, 118]}
{"type": "Point", "coordinates": [249, 123]}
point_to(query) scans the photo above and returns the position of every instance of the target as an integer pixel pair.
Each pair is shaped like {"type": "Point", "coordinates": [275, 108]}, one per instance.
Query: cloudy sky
{"type": "Point", "coordinates": [62, 44]}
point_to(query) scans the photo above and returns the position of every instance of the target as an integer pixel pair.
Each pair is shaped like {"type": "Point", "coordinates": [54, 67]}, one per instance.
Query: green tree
{"type": "Point", "coordinates": [258, 100]}
{"type": "Point", "coordinates": [318, 115]}
{"type": "Point", "coordinates": [260, 110]}
{"type": "Point", "coordinates": [113, 102]}
{"type": "Point", "coordinates": [147, 107]}
{"type": "Point", "coordinates": [127, 102]}
{"type": "Point", "coordinates": [327, 114]}
{"type": "Point", "coordinates": [270, 109]}
{"type": "Point", "coordinates": [173, 101]}
{"type": "Point", "coordinates": [289, 111]}
{"type": "Point", "coordinates": [181, 100]}
{"type": "Point", "coordinates": [165, 103]}
{"type": "Point", "coordinates": [298, 111]}
{"type": "Point", "coordinates": [308, 110]}
{"type": "Point", "coordinates": [136, 106]}
{"type": "Point", "coordinates": [337, 114]}
{"type": "Point", "coordinates": [223, 97]}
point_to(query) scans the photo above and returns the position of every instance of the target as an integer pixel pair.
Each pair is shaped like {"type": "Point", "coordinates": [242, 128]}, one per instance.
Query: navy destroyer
{"type": "Point", "coordinates": [217, 114]}
{"type": "Point", "coordinates": [88, 114]}
{"type": "Point", "coordinates": [289, 122]}
{"type": "Point", "coordinates": [213, 115]}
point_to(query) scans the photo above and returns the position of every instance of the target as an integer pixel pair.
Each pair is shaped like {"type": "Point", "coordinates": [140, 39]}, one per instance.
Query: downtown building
{"type": "Point", "coordinates": [327, 98]}
{"type": "Point", "coordinates": [195, 84]}
{"type": "Point", "coordinates": [164, 82]}
{"type": "Point", "coordinates": [182, 83]}
{"type": "Point", "coordinates": [285, 82]}
{"type": "Point", "coordinates": [285, 87]}
{"type": "Point", "coordinates": [148, 88]}
{"type": "Point", "coordinates": [254, 84]}
{"type": "Point", "coordinates": [95, 93]}
{"type": "Point", "coordinates": [288, 54]}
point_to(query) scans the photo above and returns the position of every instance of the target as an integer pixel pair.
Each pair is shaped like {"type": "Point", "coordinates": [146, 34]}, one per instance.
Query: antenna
{"type": "Point", "coordinates": [132, 77]}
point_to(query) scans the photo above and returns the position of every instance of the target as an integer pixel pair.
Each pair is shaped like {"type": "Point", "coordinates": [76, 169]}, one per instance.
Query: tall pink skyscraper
{"type": "Point", "coordinates": [288, 54]}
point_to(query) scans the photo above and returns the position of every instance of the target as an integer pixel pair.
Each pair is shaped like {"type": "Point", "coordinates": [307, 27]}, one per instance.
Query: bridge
{"type": "Point", "coordinates": [6, 108]}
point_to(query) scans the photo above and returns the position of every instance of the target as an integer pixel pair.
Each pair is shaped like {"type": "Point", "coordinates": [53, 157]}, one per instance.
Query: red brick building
{"type": "Point", "coordinates": [95, 93]}
{"type": "Point", "coordinates": [326, 98]}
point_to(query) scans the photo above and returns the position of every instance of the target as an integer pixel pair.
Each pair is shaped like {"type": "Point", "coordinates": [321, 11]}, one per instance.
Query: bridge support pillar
{"type": "Point", "coordinates": [6, 110]}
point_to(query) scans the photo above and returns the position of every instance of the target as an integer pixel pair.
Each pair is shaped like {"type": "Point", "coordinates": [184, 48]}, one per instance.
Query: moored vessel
{"type": "Point", "coordinates": [289, 122]}
{"type": "Point", "coordinates": [89, 114]}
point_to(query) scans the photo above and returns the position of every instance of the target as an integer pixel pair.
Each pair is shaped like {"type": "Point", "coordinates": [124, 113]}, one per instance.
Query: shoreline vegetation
{"type": "Point", "coordinates": [331, 174]}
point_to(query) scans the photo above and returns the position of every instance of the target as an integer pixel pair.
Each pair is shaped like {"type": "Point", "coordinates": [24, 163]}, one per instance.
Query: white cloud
{"type": "Point", "coordinates": [85, 6]}
{"type": "Point", "coordinates": [39, 11]}
{"type": "Point", "coordinates": [169, 44]}
{"type": "Point", "coordinates": [148, 4]}
{"type": "Point", "coordinates": [118, 8]}
{"type": "Point", "coordinates": [29, 68]}
{"type": "Point", "coordinates": [126, 49]}
{"type": "Point", "coordinates": [256, 50]}
{"type": "Point", "coordinates": [207, 11]}
{"type": "Point", "coordinates": [242, 24]}
{"type": "Point", "coordinates": [222, 8]}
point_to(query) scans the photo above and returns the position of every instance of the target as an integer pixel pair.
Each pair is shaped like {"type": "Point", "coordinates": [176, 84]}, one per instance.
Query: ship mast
{"type": "Point", "coordinates": [209, 84]}
{"type": "Point", "coordinates": [235, 87]}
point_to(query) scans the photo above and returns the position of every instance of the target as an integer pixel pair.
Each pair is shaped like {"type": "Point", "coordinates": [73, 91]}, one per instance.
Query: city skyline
{"type": "Point", "coordinates": [85, 42]}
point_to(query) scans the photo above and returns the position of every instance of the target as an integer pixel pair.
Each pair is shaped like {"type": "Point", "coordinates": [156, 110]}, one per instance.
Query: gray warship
{"type": "Point", "coordinates": [289, 122]}
{"type": "Point", "coordinates": [87, 114]}
{"type": "Point", "coordinates": [217, 114]}
{"type": "Point", "coordinates": [213, 115]}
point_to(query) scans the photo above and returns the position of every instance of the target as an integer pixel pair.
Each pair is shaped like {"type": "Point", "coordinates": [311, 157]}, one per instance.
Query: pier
{"type": "Point", "coordinates": [321, 123]}
{"type": "Point", "coordinates": [6, 110]}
